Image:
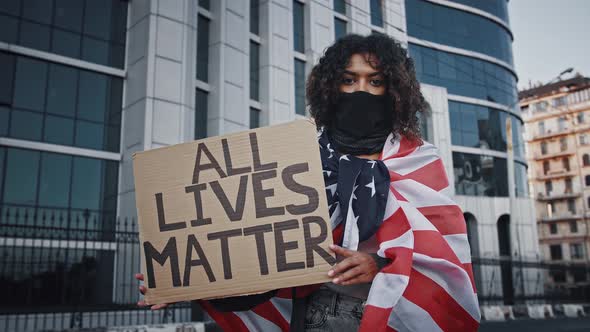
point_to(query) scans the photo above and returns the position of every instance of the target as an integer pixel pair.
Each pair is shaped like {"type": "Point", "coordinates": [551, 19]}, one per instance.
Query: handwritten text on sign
{"type": "Point", "coordinates": [237, 214]}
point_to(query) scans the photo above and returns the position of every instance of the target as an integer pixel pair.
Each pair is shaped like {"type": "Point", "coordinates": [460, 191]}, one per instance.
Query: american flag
{"type": "Point", "coordinates": [428, 284]}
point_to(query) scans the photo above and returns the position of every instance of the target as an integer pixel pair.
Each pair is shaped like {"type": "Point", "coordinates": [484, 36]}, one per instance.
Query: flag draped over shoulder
{"type": "Point", "coordinates": [428, 284]}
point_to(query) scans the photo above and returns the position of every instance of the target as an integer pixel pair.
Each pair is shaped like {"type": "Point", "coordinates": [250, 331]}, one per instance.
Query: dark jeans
{"type": "Point", "coordinates": [329, 311]}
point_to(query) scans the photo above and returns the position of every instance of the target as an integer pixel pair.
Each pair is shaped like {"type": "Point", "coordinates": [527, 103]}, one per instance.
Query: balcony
{"type": "Point", "coordinates": [551, 133]}
{"type": "Point", "coordinates": [555, 196]}
{"type": "Point", "coordinates": [554, 154]}
{"type": "Point", "coordinates": [566, 215]}
{"type": "Point", "coordinates": [555, 174]}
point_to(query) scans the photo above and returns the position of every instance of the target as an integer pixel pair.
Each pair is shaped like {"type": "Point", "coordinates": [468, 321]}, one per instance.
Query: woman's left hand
{"type": "Point", "coordinates": [356, 268]}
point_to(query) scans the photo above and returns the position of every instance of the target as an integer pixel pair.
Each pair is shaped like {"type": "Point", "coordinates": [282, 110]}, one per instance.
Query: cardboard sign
{"type": "Point", "coordinates": [236, 214]}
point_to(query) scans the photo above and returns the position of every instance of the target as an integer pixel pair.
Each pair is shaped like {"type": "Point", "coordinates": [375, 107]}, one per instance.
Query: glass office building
{"type": "Point", "coordinates": [86, 84]}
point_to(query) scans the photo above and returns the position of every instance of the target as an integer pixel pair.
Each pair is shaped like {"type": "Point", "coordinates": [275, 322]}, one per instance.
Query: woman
{"type": "Point", "coordinates": [404, 257]}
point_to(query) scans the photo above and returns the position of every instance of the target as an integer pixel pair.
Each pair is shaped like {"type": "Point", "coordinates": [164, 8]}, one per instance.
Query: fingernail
{"type": "Point", "coordinates": [330, 273]}
{"type": "Point", "coordinates": [336, 280]}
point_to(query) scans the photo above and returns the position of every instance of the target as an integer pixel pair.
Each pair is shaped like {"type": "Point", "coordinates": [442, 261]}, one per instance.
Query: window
{"type": "Point", "coordinates": [339, 28]}
{"type": "Point", "coordinates": [377, 13]}
{"type": "Point", "coordinates": [541, 125]}
{"type": "Point", "coordinates": [203, 48]}
{"type": "Point", "coordinates": [254, 71]}
{"type": "Point", "coordinates": [558, 275]}
{"type": "Point", "coordinates": [205, 4]}
{"type": "Point", "coordinates": [555, 251]}
{"type": "Point", "coordinates": [573, 226]}
{"type": "Point", "coordinates": [299, 87]}
{"type": "Point", "coordinates": [583, 139]}
{"type": "Point", "coordinates": [255, 16]}
{"type": "Point", "coordinates": [58, 27]}
{"type": "Point", "coordinates": [340, 6]}
{"type": "Point", "coordinates": [66, 189]}
{"type": "Point", "coordinates": [541, 106]}
{"type": "Point", "coordinates": [571, 205]}
{"type": "Point", "coordinates": [588, 201]}
{"type": "Point", "coordinates": [254, 118]}
{"type": "Point", "coordinates": [429, 21]}
{"type": "Point", "coordinates": [576, 250]}
{"type": "Point", "coordinates": [553, 228]}
{"type": "Point", "coordinates": [546, 167]}
{"type": "Point", "coordinates": [473, 77]}
{"type": "Point", "coordinates": [559, 101]}
{"type": "Point", "coordinates": [543, 147]}
{"type": "Point", "coordinates": [550, 209]}
{"type": "Point", "coordinates": [563, 143]}
{"type": "Point", "coordinates": [298, 27]}
{"type": "Point", "coordinates": [580, 117]}
{"type": "Point", "coordinates": [587, 178]}
{"type": "Point", "coordinates": [548, 188]}
{"type": "Point", "coordinates": [201, 111]}
{"type": "Point", "coordinates": [586, 160]}
{"type": "Point", "coordinates": [62, 105]}
{"type": "Point", "coordinates": [568, 185]}
{"type": "Point", "coordinates": [561, 124]}
{"type": "Point", "coordinates": [565, 162]}
{"type": "Point", "coordinates": [477, 175]}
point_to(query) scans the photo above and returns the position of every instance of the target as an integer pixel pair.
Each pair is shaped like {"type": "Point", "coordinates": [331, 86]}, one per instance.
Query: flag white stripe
{"type": "Point", "coordinates": [256, 323]}
{"type": "Point", "coordinates": [405, 240]}
{"type": "Point", "coordinates": [408, 317]}
{"type": "Point", "coordinates": [284, 306]}
{"type": "Point", "coordinates": [451, 278]}
{"type": "Point", "coordinates": [421, 195]}
{"type": "Point", "coordinates": [387, 289]}
{"type": "Point", "coordinates": [460, 245]}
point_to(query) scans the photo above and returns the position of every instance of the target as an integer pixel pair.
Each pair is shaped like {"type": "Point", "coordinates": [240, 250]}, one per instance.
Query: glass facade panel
{"type": "Point", "coordinates": [67, 26]}
{"type": "Point", "coordinates": [42, 187]}
{"type": "Point", "coordinates": [339, 28]}
{"type": "Point", "coordinates": [20, 177]}
{"type": "Point", "coordinates": [479, 175]}
{"type": "Point", "coordinates": [377, 13]}
{"type": "Point", "coordinates": [457, 28]}
{"type": "Point", "coordinates": [474, 78]}
{"type": "Point", "coordinates": [340, 6]}
{"type": "Point", "coordinates": [298, 27]}
{"type": "Point", "coordinates": [520, 177]}
{"type": "Point", "coordinates": [255, 16]}
{"type": "Point", "coordinates": [483, 127]}
{"type": "Point", "coordinates": [29, 84]}
{"type": "Point", "coordinates": [254, 118]}
{"type": "Point", "coordinates": [498, 8]}
{"type": "Point", "coordinates": [299, 87]}
{"type": "Point", "coordinates": [75, 100]}
{"type": "Point", "coordinates": [200, 114]}
{"type": "Point", "coordinates": [254, 71]}
{"type": "Point", "coordinates": [203, 48]}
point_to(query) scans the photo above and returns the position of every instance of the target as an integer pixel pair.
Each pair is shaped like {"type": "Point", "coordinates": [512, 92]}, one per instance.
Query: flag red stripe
{"type": "Point", "coordinates": [431, 243]}
{"type": "Point", "coordinates": [226, 320]}
{"type": "Point", "coordinates": [432, 175]}
{"type": "Point", "coordinates": [448, 219]}
{"type": "Point", "coordinates": [268, 311]}
{"type": "Point", "coordinates": [401, 261]}
{"type": "Point", "coordinates": [393, 227]}
{"type": "Point", "coordinates": [375, 319]}
{"type": "Point", "coordinates": [443, 309]}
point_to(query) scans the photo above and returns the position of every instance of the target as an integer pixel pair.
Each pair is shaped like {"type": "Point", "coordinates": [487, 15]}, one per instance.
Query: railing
{"type": "Point", "coordinates": [55, 278]}
{"type": "Point", "coordinates": [68, 268]}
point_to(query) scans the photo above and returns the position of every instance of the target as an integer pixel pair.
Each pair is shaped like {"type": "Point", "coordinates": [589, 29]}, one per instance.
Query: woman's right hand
{"type": "Point", "coordinates": [142, 289]}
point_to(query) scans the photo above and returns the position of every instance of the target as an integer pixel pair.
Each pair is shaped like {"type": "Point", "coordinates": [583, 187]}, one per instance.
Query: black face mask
{"type": "Point", "coordinates": [361, 122]}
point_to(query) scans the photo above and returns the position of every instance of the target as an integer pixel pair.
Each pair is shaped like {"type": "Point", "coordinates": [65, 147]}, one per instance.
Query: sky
{"type": "Point", "coordinates": [549, 37]}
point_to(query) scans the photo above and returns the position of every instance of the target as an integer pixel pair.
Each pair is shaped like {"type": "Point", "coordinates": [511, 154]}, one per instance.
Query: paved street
{"type": "Point", "coordinates": [548, 325]}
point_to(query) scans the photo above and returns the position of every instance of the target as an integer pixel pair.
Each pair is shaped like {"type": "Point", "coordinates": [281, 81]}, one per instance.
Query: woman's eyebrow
{"type": "Point", "coordinates": [373, 74]}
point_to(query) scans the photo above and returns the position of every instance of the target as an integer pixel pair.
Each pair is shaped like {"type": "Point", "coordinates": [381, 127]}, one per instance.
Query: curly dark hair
{"type": "Point", "coordinates": [323, 83]}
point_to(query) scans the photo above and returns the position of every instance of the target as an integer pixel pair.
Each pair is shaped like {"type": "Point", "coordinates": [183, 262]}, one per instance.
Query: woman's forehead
{"type": "Point", "coordinates": [362, 62]}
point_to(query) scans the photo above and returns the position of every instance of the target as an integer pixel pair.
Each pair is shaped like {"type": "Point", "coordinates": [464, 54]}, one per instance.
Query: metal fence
{"type": "Point", "coordinates": [66, 269]}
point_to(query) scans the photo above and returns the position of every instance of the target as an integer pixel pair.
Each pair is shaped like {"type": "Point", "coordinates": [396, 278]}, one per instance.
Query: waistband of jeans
{"type": "Point", "coordinates": [336, 300]}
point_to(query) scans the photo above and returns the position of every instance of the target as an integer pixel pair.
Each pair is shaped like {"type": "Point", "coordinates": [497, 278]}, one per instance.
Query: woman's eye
{"type": "Point", "coordinates": [348, 81]}
{"type": "Point", "coordinates": [376, 82]}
